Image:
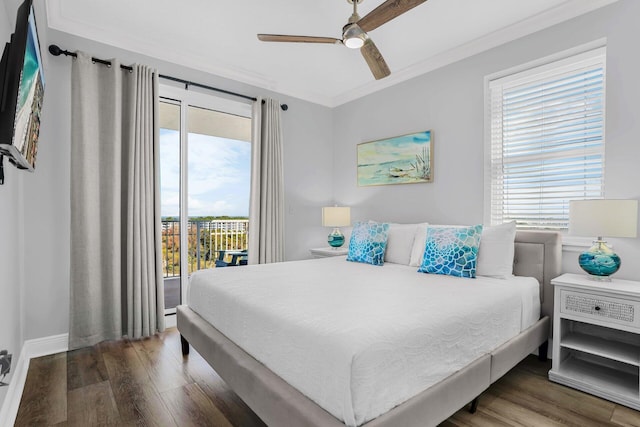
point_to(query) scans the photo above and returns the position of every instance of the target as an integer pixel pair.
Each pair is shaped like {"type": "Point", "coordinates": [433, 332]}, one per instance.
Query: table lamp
{"type": "Point", "coordinates": [335, 216]}
{"type": "Point", "coordinates": [611, 218]}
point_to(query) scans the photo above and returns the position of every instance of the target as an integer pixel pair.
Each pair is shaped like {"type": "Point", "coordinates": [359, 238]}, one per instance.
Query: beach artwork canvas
{"type": "Point", "coordinates": [30, 96]}
{"type": "Point", "coordinates": [406, 159]}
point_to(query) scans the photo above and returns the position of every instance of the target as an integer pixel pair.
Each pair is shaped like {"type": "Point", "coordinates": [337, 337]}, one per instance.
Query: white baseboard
{"type": "Point", "coordinates": [30, 349]}
{"type": "Point", "coordinates": [47, 345]}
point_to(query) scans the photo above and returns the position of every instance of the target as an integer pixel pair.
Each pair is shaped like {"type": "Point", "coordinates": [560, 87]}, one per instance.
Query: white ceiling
{"type": "Point", "coordinates": [220, 37]}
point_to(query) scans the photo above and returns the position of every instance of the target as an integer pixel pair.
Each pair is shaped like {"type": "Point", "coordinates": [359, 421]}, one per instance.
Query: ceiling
{"type": "Point", "coordinates": [219, 37]}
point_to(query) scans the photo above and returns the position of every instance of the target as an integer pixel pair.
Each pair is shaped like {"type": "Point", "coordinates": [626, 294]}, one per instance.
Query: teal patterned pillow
{"type": "Point", "coordinates": [368, 242]}
{"type": "Point", "coordinates": [452, 251]}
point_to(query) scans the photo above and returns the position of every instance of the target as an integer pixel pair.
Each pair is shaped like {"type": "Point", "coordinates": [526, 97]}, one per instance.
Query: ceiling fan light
{"type": "Point", "coordinates": [353, 37]}
{"type": "Point", "coordinates": [354, 43]}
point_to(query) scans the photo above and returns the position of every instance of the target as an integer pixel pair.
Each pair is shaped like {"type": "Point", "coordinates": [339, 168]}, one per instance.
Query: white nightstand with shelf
{"type": "Point", "coordinates": [327, 252]}
{"type": "Point", "coordinates": [596, 337]}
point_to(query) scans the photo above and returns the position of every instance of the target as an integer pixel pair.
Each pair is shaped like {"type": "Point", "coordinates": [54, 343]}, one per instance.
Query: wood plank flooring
{"type": "Point", "coordinates": [149, 383]}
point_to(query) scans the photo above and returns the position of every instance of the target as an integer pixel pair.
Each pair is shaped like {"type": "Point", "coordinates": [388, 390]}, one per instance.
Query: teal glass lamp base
{"type": "Point", "coordinates": [336, 238]}
{"type": "Point", "coordinates": [599, 261]}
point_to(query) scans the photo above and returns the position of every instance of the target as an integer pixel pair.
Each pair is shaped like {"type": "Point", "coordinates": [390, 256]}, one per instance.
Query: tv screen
{"type": "Point", "coordinates": [22, 92]}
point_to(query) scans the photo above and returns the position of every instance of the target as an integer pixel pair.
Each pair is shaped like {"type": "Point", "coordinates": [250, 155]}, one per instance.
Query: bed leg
{"type": "Point", "coordinates": [185, 346]}
{"type": "Point", "coordinates": [542, 351]}
{"type": "Point", "coordinates": [474, 405]}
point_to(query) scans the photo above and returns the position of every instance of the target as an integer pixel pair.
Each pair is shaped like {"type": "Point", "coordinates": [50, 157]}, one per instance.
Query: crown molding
{"type": "Point", "coordinates": [564, 12]}
{"type": "Point", "coordinates": [57, 21]}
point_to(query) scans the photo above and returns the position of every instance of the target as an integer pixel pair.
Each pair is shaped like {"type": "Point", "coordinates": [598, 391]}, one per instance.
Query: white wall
{"type": "Point", "coordinates": [450, 101]}
{"type": "Point", "coordinates": [11, 239]}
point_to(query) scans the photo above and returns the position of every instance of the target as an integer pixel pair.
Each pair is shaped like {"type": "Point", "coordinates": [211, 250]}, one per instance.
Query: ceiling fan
{"type": "Point", "coordinates": [354, 33]}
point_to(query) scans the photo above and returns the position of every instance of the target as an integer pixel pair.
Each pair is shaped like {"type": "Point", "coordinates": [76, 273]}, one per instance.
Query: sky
{"type": "Point", "coordinates": [218, 179]}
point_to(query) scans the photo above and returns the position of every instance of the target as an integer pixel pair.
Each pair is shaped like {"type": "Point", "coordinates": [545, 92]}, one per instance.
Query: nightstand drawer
{"type": "Point", "coordinates": [598, 307]}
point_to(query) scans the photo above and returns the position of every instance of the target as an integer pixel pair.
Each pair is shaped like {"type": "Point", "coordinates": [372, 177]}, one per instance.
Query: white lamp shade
{"type": "Point", "coordinates": [336, 216]}
{"type": "Point", "coordinates": [603, 218]}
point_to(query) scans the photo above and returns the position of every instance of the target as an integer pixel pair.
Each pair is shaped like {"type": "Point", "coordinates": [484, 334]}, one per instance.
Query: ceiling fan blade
{"type": "Point", "coordinates": [374, 59]}
{"type": "Point", "coordinates": [386, 12]}
{"type": "Point", "coordinates": [297, 39]}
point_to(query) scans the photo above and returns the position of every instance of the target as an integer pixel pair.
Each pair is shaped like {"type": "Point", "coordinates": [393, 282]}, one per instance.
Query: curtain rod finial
{"type": "Point", "coordinates": [284, 107]}
{"type": "Point", "coordinates": [55, 50]}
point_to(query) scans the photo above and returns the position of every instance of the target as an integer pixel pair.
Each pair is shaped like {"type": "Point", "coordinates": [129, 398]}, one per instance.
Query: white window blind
{"type": "Point", "coordinates": [547, 141]}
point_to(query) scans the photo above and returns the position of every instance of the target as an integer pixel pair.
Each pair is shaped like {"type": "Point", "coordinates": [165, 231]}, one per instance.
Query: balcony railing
{"type": "Point", "coordinates": [206, 239]}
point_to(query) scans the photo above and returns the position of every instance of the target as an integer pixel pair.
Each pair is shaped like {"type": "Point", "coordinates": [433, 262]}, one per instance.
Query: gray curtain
{"type": "Point", "coordinates": [116, 270]}
{"type": "Point", "coordinates": [266, 207]}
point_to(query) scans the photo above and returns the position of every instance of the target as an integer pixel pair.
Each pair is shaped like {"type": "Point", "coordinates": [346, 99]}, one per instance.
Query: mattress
{"type": "Point", "coordinates": [359, 339]}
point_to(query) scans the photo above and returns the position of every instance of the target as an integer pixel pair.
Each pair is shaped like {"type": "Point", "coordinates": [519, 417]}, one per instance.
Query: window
{"type": "Point", "coordinates": [546, 141]}
{"type": "Point", "coordinates": [205, 171]}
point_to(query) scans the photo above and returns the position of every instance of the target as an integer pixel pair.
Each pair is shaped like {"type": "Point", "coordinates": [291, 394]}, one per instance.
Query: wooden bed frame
{"type": "Point", "coordinates": [537, 254]}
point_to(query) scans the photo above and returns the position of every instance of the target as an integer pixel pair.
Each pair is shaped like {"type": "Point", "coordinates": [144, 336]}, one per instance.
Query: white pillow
{"type": "Point", "coordinates": [419, 243]}
{"type": "Point", "coordinates": [400, 243]}
{"type": "Point", "coordinates": [495, 255]}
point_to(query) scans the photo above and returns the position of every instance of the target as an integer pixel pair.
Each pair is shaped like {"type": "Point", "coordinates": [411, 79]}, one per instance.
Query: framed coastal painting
{"type": "Point", "coordinates": [406, 159]}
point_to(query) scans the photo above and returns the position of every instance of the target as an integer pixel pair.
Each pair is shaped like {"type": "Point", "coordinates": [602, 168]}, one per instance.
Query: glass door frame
{"type": "Point", "coordinates": [184, 99]}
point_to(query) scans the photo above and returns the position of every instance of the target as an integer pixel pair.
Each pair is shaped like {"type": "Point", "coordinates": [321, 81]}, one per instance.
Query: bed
{"type": "Point", "coordinates": [306, 392]}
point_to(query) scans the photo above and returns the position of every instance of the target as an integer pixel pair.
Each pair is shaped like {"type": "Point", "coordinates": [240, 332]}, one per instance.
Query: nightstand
{"type": "Point", "coordinates": [596, 337]}
{"type": "Point", "coordinates": [327, 252]}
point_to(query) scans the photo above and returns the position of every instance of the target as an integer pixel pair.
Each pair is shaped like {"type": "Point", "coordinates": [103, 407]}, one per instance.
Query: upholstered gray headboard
{"type": "Point", "coordinates": [539, 254]}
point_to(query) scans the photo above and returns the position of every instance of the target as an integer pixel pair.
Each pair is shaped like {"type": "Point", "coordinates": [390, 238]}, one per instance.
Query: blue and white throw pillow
{"type": "Point", "coordinates": [368, 242]}
{"type": "Point", "coordinates": [452, 251]}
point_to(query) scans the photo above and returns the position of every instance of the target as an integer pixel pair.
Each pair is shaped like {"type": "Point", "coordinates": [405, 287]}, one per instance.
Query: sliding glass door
{"type": "Point", "coordinates": [205, 171]}
{"type": "Point", "coordinates": [170, 183]}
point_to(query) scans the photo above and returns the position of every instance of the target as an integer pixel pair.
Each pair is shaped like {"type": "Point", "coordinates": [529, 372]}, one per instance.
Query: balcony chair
{"type": "Point", "coordinates": [238, 258]}
{"type": "Point", "coordinates": [220, 262]}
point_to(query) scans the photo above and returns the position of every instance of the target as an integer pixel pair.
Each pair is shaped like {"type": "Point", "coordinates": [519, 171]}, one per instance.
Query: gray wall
{"type": "Point", "coordinates": [450, 101]}
{"type": "Point", "coordinates": [319, 157]}
{"type": "Point", "coordinates": [11, 240]}
{"type": "Point", "coordinates": [308, 183]}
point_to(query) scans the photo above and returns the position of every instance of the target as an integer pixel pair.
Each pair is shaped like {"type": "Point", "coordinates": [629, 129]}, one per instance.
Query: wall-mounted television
{"type": "Point", "coordinates": [22, 88]}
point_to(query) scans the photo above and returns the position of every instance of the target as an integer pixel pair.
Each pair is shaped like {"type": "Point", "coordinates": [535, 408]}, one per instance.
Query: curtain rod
{"type": "Point", "coordinates": [56, 51]}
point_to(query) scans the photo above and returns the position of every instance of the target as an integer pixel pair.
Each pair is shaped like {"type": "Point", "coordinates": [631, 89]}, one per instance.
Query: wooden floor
{"type": "Point", "coordinates": [149, 383]}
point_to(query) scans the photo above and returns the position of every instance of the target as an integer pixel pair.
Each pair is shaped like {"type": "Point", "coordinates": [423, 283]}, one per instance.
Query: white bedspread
{"type": "Point", "coordinates": [359, 339]}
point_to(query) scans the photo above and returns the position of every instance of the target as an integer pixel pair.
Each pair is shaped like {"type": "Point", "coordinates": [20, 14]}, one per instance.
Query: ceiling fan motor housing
{"type": "Point", "coordinates": [353, 37]}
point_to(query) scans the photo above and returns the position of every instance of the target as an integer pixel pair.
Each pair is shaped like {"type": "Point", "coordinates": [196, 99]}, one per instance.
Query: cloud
{"type": "Point", "coordinates": [217, 162]}
{"type": "Point", "coordinates": [204, 207]}
{"type": "Point", "coordinates": [170, 203]}
{"type": "Point", "coordinates": [218, 179]}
